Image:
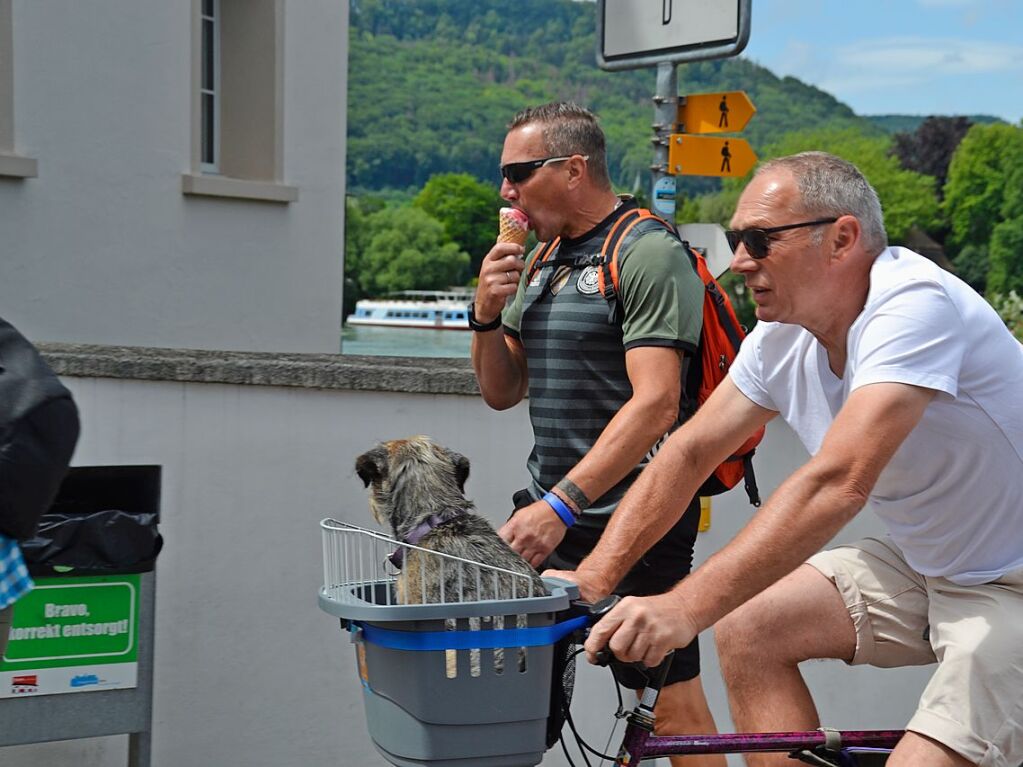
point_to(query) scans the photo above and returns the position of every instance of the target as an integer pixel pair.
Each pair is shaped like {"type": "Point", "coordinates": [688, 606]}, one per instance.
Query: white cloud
{"type": "Point", "coordinates": [929, 56]}
{"type": "Point", "coordinates": [846, 86]}
{"type": "Point", "coordinates": [894, 62]}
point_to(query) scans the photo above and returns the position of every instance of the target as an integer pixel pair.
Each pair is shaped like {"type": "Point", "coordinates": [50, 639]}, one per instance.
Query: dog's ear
{"type": "Point", "coordinates": [371, 466]}
{"type": "Point", "coordinates": [461, 465]}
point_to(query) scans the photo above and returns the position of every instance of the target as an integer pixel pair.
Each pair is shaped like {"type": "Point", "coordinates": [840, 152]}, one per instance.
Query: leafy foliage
{"type": "Point", "coordinates": [929, 148]}
{"type": "Point", "coordinates": [907, 198]}
{"type": "Point", "coordinates": [433, 84]}
{"type": "Point", "coordinates": [1005, 273]}
{"type": "Point", "coordinates": [399, 247]}
{"type": "Point", "coordinates": [468, 210]}
{"type": "Point", "coordinates": [979, 193]}
{"type": "Point", "coordinates": [1010, 308]}
{"type": "Point", "coordinates": [971, 266]}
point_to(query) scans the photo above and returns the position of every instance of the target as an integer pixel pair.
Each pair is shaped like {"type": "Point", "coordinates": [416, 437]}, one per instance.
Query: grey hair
{"type": "Point", "coordinates": [569, 129]}
{"type": "Point", "coordinates": [831, 186]}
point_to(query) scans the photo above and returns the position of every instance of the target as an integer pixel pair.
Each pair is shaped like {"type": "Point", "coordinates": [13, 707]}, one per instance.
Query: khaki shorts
{"type": "Point", "coordinates": [974, 702]}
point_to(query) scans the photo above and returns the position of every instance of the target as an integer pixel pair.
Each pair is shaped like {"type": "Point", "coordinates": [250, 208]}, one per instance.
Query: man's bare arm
{"type": "Point", "coordinates": [659, 497]}
{"type": "Point", "coordinates": [499, 361]}
{"type": "Point", "coordinates": [804, 513]}
{"type": "Point", "coordinates": [813, 504]}
{"type": "Point", "coordinates": [655, 375]}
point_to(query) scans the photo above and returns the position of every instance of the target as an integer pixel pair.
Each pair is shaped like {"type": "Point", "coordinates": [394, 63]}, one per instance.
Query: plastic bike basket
{"type": "Point", "coordinates": [453, 681]}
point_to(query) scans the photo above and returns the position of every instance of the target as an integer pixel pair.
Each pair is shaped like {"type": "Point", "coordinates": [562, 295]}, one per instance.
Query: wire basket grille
{"type": "Point", "coordinates": [359, 567]}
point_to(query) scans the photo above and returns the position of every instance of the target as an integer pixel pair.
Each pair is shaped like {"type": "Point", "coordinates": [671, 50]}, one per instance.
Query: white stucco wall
{"type": "Point", "coordinates": [103, 247]}
{"type": "Point", "coordinates": [248, 670]}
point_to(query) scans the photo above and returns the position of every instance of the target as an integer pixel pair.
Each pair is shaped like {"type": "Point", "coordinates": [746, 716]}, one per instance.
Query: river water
{"type": "Point", "coordinates": [405, 342]}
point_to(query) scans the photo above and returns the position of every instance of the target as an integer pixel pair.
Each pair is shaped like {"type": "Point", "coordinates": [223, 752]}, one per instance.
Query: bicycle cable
{"type": "Point", "coordinates": [580, 742]}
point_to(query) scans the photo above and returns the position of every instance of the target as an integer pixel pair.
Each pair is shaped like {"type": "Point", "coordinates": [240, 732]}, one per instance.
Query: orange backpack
{"type": "Point", "coordinates": [719, 340]}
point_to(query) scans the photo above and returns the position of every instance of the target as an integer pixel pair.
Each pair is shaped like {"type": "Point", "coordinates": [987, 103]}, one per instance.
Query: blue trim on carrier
{"type": "Point", "coordinates": [419, 641]}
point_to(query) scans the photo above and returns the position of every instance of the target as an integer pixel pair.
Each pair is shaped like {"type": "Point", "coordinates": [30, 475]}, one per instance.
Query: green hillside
{"type": "Point", "coordinates": [432, 84]}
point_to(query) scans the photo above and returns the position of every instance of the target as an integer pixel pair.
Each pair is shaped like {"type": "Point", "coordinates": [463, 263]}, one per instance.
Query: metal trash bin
{"type": "Point", "coordinates": [93, 561]}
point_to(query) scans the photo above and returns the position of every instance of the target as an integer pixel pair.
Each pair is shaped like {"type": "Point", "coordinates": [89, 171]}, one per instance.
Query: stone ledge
{"type": "Point", "coordinates": [426, 375]}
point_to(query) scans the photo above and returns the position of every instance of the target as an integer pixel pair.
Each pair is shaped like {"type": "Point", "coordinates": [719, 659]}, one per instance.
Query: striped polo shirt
{"type": "Point", "coordinates": [576, 357]}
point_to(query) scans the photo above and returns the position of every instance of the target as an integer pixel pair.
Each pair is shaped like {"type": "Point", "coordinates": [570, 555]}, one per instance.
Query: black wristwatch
{"type": "Point", "coordinates": [482, 327]}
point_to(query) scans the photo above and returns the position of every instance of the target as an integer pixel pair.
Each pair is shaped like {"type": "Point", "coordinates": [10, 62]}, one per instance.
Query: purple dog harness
{"type": "Point", "coordinates": [397, 557]}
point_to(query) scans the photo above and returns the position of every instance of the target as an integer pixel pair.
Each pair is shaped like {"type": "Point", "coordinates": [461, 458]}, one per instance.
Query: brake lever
{"type": "Point", "coordinates": [598, 610]}
{"type": "Point", "coordinates": [605, 657]}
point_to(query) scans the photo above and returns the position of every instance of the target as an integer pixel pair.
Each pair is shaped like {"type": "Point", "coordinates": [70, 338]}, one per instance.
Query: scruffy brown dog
{"type": "Point", "coordinates": [417, 490]}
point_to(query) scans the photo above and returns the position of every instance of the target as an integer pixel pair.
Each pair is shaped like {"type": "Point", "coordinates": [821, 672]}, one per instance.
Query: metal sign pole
{"type": "Point", "coordinates": [665, 114]}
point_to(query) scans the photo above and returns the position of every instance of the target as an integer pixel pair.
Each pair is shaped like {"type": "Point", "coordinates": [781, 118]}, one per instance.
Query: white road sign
{"type": "Point", "coordinates": [643, 33]}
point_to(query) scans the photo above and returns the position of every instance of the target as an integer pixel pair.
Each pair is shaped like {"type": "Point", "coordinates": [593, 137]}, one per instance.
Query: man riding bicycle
{"type": "Point", "coordinates": [905, 387]}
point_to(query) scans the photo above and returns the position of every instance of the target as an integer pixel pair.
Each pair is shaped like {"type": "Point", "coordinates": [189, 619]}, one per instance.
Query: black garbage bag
{"type": "Point", "coordinates": [97, 543]}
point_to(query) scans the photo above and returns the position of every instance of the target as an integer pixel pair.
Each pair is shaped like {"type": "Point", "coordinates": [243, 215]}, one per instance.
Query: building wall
{"type": "Point", "coordinates": [248, 670]}
{"type": "Point", "coordinates": [103, 247]}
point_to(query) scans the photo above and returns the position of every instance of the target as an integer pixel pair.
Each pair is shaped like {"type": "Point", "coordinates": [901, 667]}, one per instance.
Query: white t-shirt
{"type": "Point", "coordinates": [952, 495]}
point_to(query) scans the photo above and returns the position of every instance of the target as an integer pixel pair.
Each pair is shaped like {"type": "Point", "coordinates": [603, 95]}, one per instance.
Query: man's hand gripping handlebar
{"type": "Point", "coordinates": [603, 656]}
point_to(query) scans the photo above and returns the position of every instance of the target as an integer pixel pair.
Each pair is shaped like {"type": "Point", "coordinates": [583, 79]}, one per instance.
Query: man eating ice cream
{"type": "Point", "coordinates": [602, 395]}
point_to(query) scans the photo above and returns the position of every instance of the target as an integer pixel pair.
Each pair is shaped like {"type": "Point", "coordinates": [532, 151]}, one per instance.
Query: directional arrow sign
{"type": "Point", "coordinates": [708, 156]}
{"type": "Point", "coordinates": [715, 112]}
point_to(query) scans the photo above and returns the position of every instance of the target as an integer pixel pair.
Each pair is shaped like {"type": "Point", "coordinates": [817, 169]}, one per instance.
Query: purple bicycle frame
{"type": "Point", "coordinates": [640, 744]}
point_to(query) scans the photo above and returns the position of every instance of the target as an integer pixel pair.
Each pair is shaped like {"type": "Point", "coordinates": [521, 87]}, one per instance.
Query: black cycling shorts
{"type": "Point", "coordinates": [658, 571]}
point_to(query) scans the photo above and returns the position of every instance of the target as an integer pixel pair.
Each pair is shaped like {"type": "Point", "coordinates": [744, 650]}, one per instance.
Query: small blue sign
{"type": "Point", "coordinates": [664, 197]}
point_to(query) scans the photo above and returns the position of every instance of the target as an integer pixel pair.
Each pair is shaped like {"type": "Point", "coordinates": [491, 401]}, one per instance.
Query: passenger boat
{"type": "Point", "coordinates": [434, 309]}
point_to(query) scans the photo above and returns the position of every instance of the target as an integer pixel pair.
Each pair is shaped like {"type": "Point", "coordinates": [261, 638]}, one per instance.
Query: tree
{"type": "Point", "coordinates": [1010, 308]}
{"type": "Point", "coordinates": [979, 193]}
{"type": "Point", "coordinates": [1005, 273]}
{"type": "Point", "coordinates": [907, 197]}
{"type": "Point", "coordinates": [972, 266]}
{"type": "Point", "coordinates": [468, 210]}
{"type": "Point", "coordinates": [407, 250]}
{"type": "Point", "coordinates": [930, 147]}
{"type": "Point", "coordinates": [357, 236]}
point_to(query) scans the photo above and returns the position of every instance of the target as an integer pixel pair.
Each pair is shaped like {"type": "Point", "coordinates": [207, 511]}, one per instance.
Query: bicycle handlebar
{"type": "Point", "coordinates": [605, 657]}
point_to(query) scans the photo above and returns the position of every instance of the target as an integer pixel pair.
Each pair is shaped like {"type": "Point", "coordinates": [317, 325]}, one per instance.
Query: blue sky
{"type": "Point", "coordinates": [898, 56]}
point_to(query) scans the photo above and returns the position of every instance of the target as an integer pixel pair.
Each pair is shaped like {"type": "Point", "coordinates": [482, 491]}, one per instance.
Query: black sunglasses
{"type": "Point", "coordinates": [758, 241]}
{"type": "Point", "coordinates": [517, 172]}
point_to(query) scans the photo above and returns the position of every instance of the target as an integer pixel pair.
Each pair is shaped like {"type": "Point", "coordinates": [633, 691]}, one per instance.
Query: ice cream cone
{"type": "Point", "coordinates": [514, 226]}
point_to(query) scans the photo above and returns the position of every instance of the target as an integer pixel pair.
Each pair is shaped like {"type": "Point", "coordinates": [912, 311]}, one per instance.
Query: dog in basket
{"type": "Point", "coordinates": [417, 490]}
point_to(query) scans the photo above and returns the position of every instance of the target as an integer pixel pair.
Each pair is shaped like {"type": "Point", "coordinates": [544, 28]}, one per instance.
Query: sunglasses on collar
{"type": "Point", "coordinates": [517, 172]}
{"type": "Point", "coordinates": [758, 241]}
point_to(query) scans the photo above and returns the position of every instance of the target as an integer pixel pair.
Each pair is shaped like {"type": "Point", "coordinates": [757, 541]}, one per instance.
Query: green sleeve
{"type": "Point", "coordinates": [661, 294]}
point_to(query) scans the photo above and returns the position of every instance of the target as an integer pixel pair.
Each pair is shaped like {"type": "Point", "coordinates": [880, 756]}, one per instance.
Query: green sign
{"type": "Point", "coordinates": [73, 634]}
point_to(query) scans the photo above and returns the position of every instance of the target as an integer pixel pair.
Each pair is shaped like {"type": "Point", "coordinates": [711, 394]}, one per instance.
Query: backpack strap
{"type": "Point", "coordinates": [608, 276]}
{"type": "Point", "coordinates": [540, 256]}
{"type": "Point", "coordinates": [728, 322]}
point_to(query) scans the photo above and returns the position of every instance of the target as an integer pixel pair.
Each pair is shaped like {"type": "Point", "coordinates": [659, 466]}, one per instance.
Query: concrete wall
{"type": "Point", "coordinates": [103, 247]}
{"type": "Point", "coordinates": [248, 670]}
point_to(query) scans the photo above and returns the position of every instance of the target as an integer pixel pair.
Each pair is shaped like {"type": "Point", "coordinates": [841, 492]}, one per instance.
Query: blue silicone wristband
{"type": "Point", "coordinates": [560, 508]}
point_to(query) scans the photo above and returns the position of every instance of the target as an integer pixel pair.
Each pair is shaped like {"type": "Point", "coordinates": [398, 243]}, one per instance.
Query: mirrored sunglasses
{"type": "Point", "coordinates": [517, 172]}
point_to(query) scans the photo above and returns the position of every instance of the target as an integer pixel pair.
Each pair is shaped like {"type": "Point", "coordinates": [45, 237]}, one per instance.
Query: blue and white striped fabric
{"type": "Point", "coordinates": [14, 580]}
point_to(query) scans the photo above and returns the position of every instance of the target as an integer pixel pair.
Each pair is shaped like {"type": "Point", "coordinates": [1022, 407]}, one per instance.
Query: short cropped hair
{"type": "Point", "coordinates": [831, 186]}
{"type": "Point", "coordinates": [569, 129]}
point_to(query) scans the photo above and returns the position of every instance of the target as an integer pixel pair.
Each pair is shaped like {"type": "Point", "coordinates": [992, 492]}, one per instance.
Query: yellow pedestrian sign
{"type": "Point", "coordinates": [715, 112]}
{"type": "Point", "coordinates": [709, 156]}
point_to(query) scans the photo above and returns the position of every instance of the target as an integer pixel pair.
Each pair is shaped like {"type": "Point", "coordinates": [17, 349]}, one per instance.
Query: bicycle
{"type": "Point", "coordinates": [825, 747]}
{"type": "Point", "coordinates": [453, 683]}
